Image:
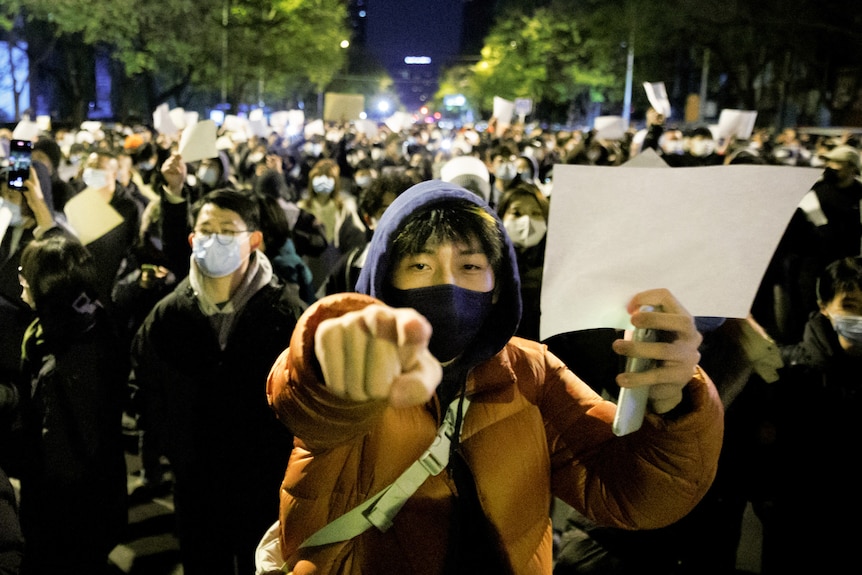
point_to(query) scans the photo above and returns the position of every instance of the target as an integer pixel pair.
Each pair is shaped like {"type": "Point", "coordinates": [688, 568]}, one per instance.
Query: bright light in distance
{"type": "Point", "coordinates": [383, 106]}
{"type": "Point", "coordinates": [456, 100]}
{"type": "Point", "coordinates": [417, 59]}
{"type": "Point", "coordinates": [345, 43]}
{"type": "Point", "coordinates": [363, 115]}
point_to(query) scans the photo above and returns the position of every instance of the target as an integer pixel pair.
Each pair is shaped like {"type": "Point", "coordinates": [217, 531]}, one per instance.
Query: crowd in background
{"type": "Point", "coordinates": [318, 200]}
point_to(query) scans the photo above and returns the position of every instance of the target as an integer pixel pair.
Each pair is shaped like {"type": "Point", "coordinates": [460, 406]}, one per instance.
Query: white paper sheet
{"type": "Point", "coordinates": [609, 127]}
{"type": "Point", "coordinates": [26, 130]}
{"type": "Point", "coordinates": [162, 121]}
{"type": "Point", "coordinates": [503, 111]}
{"type": "Point", "coordinates": [657, 96]}
{"type": "Point", "coordinates": [737, 123]}
{"type": "Point", "coordinates": [90, 215]}
{"type": "Point", "coordinates": [199, 142]}
{"type": "Point", "coordinates": [707, 234]}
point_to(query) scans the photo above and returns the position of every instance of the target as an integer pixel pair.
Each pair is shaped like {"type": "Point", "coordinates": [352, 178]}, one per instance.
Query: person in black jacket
{"type": "Point", "coordinates": [11, 539]}
{"type": "Point", "coordinates": [73, 475]}
{"type": "Point", "coordinates": [817, 436]}
{"type": "Point", "coordinates": [200, 361]}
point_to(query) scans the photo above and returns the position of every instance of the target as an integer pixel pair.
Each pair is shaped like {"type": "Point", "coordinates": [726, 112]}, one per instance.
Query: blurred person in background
{"type": "Point", "coordinates": [337, 212]}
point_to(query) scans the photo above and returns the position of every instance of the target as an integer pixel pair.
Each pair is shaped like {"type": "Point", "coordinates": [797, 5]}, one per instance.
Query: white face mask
{"type": "Point", "coordinates": [208, 176]}
{"type": "Point", "coordinates": [217, 255]}
{"type": "Point", "coordinates": [506, 171]}
{"type": "Point", "coordinates": [702, 148]}
{"type": "Point", "coordinates": [323, 185]}
{"type": "Point", "coordinates": [849, 327]}
{"type": "Point", "coordinates": [525, 231]}
{"type": "Point", "coordinates": [95, 178]}
{"type": "Point", "coordinates": [255, 158]}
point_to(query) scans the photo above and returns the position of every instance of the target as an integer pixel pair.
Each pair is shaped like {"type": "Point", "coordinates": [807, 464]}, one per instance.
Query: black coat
{"type": "Point", "coordinates": [73, 475]}
{"type": "Point", "coordinates": [208, 406]}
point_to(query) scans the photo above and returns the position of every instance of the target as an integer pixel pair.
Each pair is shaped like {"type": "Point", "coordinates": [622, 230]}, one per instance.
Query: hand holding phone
{"type": "Point", "coordinates": [632, 403]}
{"type": "Point", "coordinates": [20, 159]}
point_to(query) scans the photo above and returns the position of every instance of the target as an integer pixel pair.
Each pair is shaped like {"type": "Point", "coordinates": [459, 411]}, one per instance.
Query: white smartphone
{"type": "Point", "coordinates": [632, 402]}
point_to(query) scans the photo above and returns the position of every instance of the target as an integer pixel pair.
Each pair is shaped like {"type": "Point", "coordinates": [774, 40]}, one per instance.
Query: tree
{"type": "Point", "coordinates": [227, 47]}
{"type": "Point", "coordinates": [544, 56]}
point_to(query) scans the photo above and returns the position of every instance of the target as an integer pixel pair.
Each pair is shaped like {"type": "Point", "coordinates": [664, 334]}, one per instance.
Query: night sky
{"type": "Point", "coordinates": [443, 30]}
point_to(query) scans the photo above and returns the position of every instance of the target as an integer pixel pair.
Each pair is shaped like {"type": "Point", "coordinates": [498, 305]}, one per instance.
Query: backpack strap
{"type": "Point", "coordinates": [380, 509]}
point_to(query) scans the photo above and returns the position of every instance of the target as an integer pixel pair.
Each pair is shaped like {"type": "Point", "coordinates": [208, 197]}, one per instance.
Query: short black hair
{"type": "Point", "coordinates": [371, 199]}
{"type": "Point", "coordinates": [273, 224]}
{"type": "Point", "coordinates": [58, 269]}
{"type": "Point", "coordinates": [841, 276]}
{"type": "Point", "coordinates": [453, 221]}
{"type": "Point", "coordinates": [229, 199]}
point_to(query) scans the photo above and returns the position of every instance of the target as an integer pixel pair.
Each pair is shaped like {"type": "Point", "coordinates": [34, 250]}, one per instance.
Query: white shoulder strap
{"type": "Point", "coordinates": [380, 509]}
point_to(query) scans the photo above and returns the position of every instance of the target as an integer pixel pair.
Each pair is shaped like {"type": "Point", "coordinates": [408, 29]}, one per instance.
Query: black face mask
{"type": "Point", "coordinates": [456, 315]}
{"type": "Point", "coordinates": [830, 176]}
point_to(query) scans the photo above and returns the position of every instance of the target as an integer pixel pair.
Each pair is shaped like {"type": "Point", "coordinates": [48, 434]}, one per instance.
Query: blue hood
{"type": "Point", "coordinates": [506, 313]}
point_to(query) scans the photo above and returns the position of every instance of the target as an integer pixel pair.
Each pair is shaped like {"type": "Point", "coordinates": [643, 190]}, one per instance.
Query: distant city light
{"type": "Point", "coordinates": [383, 106]}
{"type": "Point", "coordinates": [362, 13]}
{"type": "Point", "coordinates": [455, 100]}
{"type": "Point", "coordinates": [345, 43]}
{"type": "Point", "coordinates": [417, 59]}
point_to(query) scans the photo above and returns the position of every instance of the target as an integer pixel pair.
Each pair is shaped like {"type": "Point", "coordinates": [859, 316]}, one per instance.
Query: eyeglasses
{"type": "Point", "coordinates": [223, 237]}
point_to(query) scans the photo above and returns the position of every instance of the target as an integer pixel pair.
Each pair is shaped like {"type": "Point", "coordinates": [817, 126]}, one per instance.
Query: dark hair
{"type": "Point", "coordinates": [234, 200]}
{"type": "Point", "coordinates": [701, 131]}
{"type": "Point", "coordinates": [454, 221]}
{"type": "Point", "coordinates": [272, 184]}
{"type": "Point", "coordinates": [371, 199]}
{"type": "Point", "coordinates": [523, 189]}
{"type": "Point", "coordinates": [51, 149]}
{"type": "Point", "coordinates": [273, 224]}
{"type": "Point", "coordinates": [58, 270]}
{"type": "Point", "coordinates": [841, 276]}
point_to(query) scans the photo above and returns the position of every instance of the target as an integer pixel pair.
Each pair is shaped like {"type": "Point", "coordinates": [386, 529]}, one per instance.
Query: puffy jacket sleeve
{"type": "Point", "coordinates": [296, 391]}
{"type": "Point", "coordinates": [644, 480]}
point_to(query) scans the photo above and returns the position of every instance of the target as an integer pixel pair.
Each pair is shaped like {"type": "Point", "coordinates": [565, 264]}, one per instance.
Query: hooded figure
{"type": "Point", "coordinates": [533, 430]}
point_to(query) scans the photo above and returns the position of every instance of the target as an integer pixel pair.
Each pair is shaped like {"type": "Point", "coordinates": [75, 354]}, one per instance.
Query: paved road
{"type": "Point", "coordinates": [149, 546]}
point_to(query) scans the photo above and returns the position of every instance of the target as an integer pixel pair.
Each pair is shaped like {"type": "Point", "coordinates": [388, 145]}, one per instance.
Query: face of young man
{"type": "Point", "coordinates": [452, 285]}
{"type": "Point", "coordinates": [215, 225]}
{"type": "Point", "coordinates": [845, 312]}
{"type": "Point", "coordinates": [462, 264]}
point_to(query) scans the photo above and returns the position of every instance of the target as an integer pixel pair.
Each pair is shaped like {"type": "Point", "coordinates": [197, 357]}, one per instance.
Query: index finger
{"type": "Point", "coordinates": [660, 298]}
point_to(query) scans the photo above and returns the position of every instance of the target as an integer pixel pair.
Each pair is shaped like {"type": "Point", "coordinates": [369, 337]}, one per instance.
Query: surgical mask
{"type": "Point", "coordinates": [15, 210]}
{"type": "Point", "coordinates": [525, 231]}
{"type": "Point", "coordinates": [849, 327]}
{"type": "Point", "coordinates": [208, 176]}
{"type": "Point", "coordinates": [323, 185]}
{"type": "Point", "coordinates": [363, 181]}
{"type": "Point", "coordinates": [673, 147]}
{"type": "Point", "coordinates": [255, 158]}
{"type": "Point", "coordinates": [217, 255]}
{"type": "Point", "coordinates": [95, 178]}
{"type": "Point", "coordinates": [702, 148]}
{"type": "Point", "coordinates": [146, 166]}
{"type": "Point", "coordinates": [456, 315]}
{"type": "Point", "coordinates": [506, 171]}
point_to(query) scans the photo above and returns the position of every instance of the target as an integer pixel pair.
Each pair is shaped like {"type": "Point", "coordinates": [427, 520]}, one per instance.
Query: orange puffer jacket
{"type": "Point", "coordinates": [534, 430]}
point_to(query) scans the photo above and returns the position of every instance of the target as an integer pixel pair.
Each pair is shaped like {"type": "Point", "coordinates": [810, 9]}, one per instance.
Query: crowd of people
{"type": "Point", "coordinates": [247, 313]}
